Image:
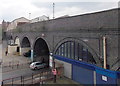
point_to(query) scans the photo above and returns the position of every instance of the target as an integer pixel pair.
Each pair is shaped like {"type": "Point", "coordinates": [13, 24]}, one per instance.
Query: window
{"type": "Point", "coordinates": [65, 49]}
{"type": "Point", "coordinates": [72, 50]}
{"type": "Point", "coordinates": [80, 54]}
{"type": "Point", "coordinates": [69, 50]}
{"type": "Point", "coordinates": [75, 50]}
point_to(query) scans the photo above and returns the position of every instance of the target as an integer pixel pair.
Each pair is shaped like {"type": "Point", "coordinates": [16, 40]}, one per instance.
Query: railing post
{"type": "Point", "coordinates": [9, 64]}
{"type": "Point", "coordinates": [12, 66]}
{"type": "Point", "coordinates": [40, 77]}
{"type": "Point", "coordinates": [47, 74]}
{"type": "Point", "coordinates": [12, 81]}
{"type": "Point", "coordinates": [32, 78]}
{"type": "Point", "coordinates": [21, 80]}
{"type": "Point", "coordinates": [17, 66]}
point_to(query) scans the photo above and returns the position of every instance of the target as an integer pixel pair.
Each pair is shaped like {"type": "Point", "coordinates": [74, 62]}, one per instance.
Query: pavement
{"type": "Point", "coordinates": [64, 80]}
{"type": "Point", "coordinates": [11, 59]}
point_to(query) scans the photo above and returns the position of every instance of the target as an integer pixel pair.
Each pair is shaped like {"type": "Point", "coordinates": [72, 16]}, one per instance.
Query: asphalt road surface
{"type": "Point", "coordinates": [21, 72]}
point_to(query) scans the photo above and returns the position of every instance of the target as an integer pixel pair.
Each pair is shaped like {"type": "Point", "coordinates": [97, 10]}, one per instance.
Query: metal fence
{"type": "Point", "coordinates": [13, 63]}
{"type": "Point", "coordinates": [10, 66]}
{"type": "Point", "coordinates": [33, 78]}
{"type": "Point", "coordinates": [28, 79]}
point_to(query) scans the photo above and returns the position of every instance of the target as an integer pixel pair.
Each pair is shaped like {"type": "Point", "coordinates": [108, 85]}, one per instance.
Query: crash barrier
{"type": "Point", "coordinates": [33, 78]}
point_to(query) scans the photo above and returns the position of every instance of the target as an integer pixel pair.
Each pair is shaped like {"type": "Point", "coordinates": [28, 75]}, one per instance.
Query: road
{"type": "Point", "coordinates": [21, 72]}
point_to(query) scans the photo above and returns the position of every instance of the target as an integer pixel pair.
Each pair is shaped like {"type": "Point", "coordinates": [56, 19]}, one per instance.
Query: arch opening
{"type": "Point", "coordinates": [17, 43]}
{"type": "Point", "coordinates": [75, 50]}
{"type": "Point", "coordinates": [41, 51]}
{"type": "Point", "coordinates": [25, 47]}
{"type": "Point", "coordinates": [25, 43]}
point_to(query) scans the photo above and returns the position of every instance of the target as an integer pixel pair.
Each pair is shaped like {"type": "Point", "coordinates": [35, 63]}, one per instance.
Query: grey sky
{"type": "Point", "coordinates": [12, 9]}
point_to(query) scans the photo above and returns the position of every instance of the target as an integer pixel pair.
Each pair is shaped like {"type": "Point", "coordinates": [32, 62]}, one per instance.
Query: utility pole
{"type": "Point", "coordinates": [53, 10]}
{"type": "Point", "coordinates": [29, 17]}
{"type": "Point", "coordinates": [104, 53]}
{"type": "Point", "coordinates": [54, 69]}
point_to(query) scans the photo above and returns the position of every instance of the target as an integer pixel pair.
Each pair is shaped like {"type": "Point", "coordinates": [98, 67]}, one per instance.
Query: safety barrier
{"type": "Point", "coordinates": [83, 73]}
{"type": "Point", "coordinates": [28, 79]}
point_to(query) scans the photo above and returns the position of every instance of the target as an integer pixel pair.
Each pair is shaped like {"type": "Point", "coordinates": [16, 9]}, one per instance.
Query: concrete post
{"type": "Point", "coordinates": [104, 52]}
{"type": "Point", "coordinates": [32, 55]}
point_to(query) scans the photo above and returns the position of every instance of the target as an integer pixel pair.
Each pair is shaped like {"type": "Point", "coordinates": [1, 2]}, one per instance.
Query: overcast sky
{"type": "Point", "coordinates": [12, 9]}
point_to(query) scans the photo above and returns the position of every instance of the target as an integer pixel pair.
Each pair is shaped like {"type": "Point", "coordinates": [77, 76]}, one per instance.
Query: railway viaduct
{"type": "Point", "coordinates": [76, 37]}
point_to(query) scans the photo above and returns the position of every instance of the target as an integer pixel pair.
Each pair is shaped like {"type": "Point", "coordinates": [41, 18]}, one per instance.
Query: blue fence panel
{"type": "Point", "coordinates": [118, 80]}
{"type": "Point", "coordinates": [82, 75]}
{"type": "Point", "coordinates": [104, 76]}
{"type": "Point", "coordinates": [101, 79]}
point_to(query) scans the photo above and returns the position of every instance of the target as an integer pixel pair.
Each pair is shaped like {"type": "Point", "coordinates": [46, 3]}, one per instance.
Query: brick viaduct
{"type": "Point", "coordinates": [87, 29]}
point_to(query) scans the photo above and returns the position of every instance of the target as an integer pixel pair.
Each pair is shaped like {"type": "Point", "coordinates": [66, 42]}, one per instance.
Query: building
{"type": "Point", "coordinates": [16, 22]}
{"type": "Point", "coordinates": [4, 28]}
{"type": "Point", "coordinates": [38, 19]}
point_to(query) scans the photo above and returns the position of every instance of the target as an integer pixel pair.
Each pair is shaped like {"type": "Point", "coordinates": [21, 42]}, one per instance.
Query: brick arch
{"type": "Point", "coordinates": [92, 51]}
{"type": "Point", "coordinates": [27, 40]}
{"type": "Point", "coordinates": [41, 50]}
{"type": "Point", "coordinates": [36, 38]}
